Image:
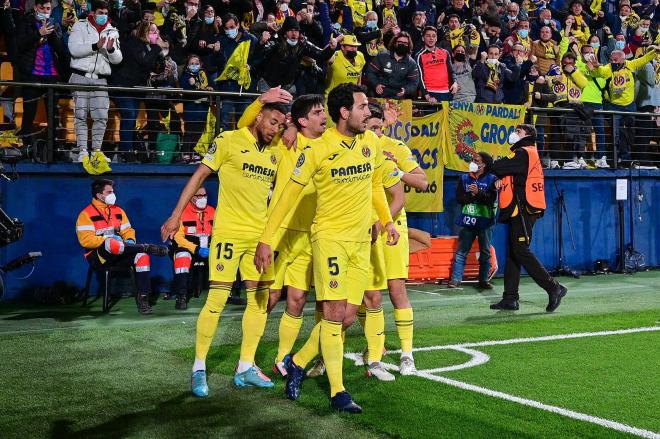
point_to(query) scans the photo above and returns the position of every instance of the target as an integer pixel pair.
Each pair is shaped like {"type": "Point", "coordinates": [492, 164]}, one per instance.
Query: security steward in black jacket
{"type": "Point", "coordinates": [522, 203]}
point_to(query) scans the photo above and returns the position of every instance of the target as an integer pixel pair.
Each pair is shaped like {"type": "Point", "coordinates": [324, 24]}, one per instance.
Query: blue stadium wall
{"type": "Point", "coordinates": [48, 199]}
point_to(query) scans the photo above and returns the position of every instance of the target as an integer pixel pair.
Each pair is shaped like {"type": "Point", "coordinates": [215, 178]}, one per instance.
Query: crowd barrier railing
{"type": "Point", "coordinates": [147, 124]}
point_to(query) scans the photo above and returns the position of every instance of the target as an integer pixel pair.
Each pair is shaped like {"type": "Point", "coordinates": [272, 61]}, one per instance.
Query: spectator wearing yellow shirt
{"type": "Point", "coordinates": [346, 65]}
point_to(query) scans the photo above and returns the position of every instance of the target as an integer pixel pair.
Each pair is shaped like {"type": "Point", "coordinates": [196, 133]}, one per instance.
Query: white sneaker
{"type": "Point", "coordinates": [602, 163]}
{"type": "Point", "coordinates": [81, 155]}
{"type": "Point", "coordinates": [571, 165]}
{"type": "Point", "coordinates": [317, 370]}
{"type": "Point", "coordinates": [407, 366]}
{"type": "Point", "coordinates": [377, 370]}
{"type": "Point", "coordinates": [554, 164]}
{"type": "Point", "coordinates": [582, 163]}
{"type": "Point", "coordinates": [644, 167]}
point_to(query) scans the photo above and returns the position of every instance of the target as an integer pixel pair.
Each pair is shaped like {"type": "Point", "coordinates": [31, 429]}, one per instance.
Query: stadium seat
{"type": "Point", "coordinates": [107, 276]}
{"type": "Point", "coordinates": [6, 71]}
{"type": "Point", "coordinates": [435, 263]}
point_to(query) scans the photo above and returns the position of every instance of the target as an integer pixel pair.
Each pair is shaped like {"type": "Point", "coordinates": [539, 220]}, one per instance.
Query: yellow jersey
{"type": "Point", "coordinates": [621, 88]}
{"type": "Point", "coordinates": [341, 169]}
{"type": "Point", "coordinates": [246, 171]}
{"type": "Point", "coordinates": [302, 216]}
{"type": "Point", "coordinates": [405, 161]}
{"type": "Point", "coordinates": [360, 9]}
{"type": "Point", "coordinates": [343, 70]}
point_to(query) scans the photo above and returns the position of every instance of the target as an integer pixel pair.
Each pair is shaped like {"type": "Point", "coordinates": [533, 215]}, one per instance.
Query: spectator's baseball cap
{"type": "Point", "coordinates": [290, 23]}
{"type": "Point", "coordinates": [350, 40]}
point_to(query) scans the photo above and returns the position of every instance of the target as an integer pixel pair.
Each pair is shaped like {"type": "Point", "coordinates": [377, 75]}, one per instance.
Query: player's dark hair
{"type": "Point", "coordinates": [99, 184]}
{"type": "Point", "coordinates": [530, 130]}
{"type": "Point", "coordinates": [342, 97]}
{"type": "Point", "coordinates": [303, 105]}
{"type": "Point", "coordinates": [376, 110]}
{"type": "Point", "coordinates": [274, 107]}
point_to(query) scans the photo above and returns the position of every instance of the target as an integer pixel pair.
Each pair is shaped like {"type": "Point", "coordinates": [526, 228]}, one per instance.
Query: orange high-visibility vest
{"type": "Point", "coordinates": [534, 187]}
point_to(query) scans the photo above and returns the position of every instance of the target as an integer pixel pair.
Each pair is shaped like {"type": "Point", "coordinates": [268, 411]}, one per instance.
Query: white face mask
{"type": "Point", "coordinates": [643, 29]}
{"type": "Point", "coordinates": [623, 18]}
{"type": "Point", "coordinates": [491, 61]}
{"type": "Point", "coordinates": [473, 167]}
{"type": "Point", "coordinates": [513, 137]}
{"type": "Point", "coordinates": [201, 203]}
{"type": "Point", "coordinates": [110, 199]}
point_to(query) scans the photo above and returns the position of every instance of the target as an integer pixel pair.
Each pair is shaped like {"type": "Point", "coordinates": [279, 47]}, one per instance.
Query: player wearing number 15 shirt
{"type": "Point", "coordinates": [246, 165]}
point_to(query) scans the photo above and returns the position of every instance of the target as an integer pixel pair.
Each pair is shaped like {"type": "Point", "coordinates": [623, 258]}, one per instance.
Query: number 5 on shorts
{"type": "Point", "coordinates": [228, 252]}
{"type": "Point", "coordinates": [333, 266]}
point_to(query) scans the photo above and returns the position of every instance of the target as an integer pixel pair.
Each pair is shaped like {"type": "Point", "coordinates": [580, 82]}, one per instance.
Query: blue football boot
{"type": "Point", "coordinates": [342, 402]}
{"type": "Point", "coordinates": [253, 377]}
{"type": "Point", "coordinates": [294, 377]}
{"type": "Point", "coordinates": [198, 384]}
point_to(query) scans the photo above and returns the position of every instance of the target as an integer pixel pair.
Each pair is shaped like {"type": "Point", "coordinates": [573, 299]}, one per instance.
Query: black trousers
{"type": "Point", "coordinates": [519, 255]}
{"type": "Point", "coordinates": [31, 98]}
{"type": "Point", "coordinates": [101, 258]}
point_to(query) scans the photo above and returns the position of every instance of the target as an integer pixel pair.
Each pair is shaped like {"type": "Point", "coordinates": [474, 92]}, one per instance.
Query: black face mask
{"type": "Point", "coordinates": [532, 78]}
{"type": "Point", "coordinates": [401, 49]}
{"type": "Point", "coordinates": [460, 57]}
{"type": "Point", "coordinates": [350, 55]}
{"type": "Point", "coordinates": [617, 66]}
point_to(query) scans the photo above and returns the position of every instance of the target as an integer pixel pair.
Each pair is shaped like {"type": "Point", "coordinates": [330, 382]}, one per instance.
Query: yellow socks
{"type": "Point", "coordinates": [362, 314]}
{"type": "Point", "coordinates": [374, 331]}
{"type": "Point", "coordinates": [332, 348]}
{"type": "Point", "coordinates": [404, 326]}
{"type": "Point", "coordinates": [254, 322]}
{"type": "Point", "coordinates": [207, 322]}
{"type": "Point", "coordinates": [288, 332]}
{"type": "Point", "coordinates": [310, 349]}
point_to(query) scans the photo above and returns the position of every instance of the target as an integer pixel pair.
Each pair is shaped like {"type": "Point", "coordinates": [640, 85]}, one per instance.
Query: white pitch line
{"type": "Point", "coordinates": [539, 405]}
{"type": "Point", "coordinates": [531, 339]}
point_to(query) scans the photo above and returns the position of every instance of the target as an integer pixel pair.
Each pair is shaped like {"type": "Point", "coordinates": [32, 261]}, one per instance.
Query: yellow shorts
{"type": "Point", "coordinates": [397, 257]}
{"type": "Point", "coordinates": [377, 272]}
{"type": "Point", "coordinates": [293, 260]}
{"type": "Point", "coordinates": [340, 270]}
{"type": "Point", "coordinates": [229, 255]}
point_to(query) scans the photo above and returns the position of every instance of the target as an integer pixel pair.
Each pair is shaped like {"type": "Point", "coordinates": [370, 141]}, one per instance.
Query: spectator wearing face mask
{"type": "Point", "coordinates": [94, 48]}
{"type": "Point", "coordinates": [282, 11]}
{"type": "Point", "coordinates": [195, 108]}
{"type": "Point", "coordinates": [477, 195]}
{"type": "Point", "coordinates": [519, 64]}
{"type": "Point", "coordinates": [618, 23]}
{"type": "Point", "coordinates": [371, 37]}
{"type": "Point", "coordinates": [415, 30]}
{"type": "Point", "coordinates": [346, 65]}
{"type": "Point", "coordinates": [206, 42]}
{"type": "Point", "coordinates": [142, 56]}
{"type": "Point", "coordinates": [509, 22]}
{"type": "Point", "coordinates": [394, 74]}
{"type": "Point", "coordinates": [461, 64]}
{"type": "Point", "coordinates": [456, 34]}
{"type": "Point", "coordinates": [68, 13]}
{"type": "Point", "coordinates": [544, 19]}
{"type": "Point", "coordinates": [490, 34]}
{"type": "Point", "coordinates": [521, 35]}
{"type": "Point", "coordinates": [489, 75]}
{"type": "Point", "coordinates": [41, 58]}
{"type": "Point", "coordinates": [641, 36]}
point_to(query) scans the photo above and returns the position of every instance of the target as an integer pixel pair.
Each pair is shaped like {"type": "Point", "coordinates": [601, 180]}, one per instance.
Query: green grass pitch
{"type": "Point", "coordinates": [73, 372]}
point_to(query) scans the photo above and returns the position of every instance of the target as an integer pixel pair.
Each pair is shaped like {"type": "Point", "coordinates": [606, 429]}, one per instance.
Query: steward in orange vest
{"type": "Point", "coordinates": [191, 241]}
{"type": "Point", "coordinates": [522, 203]}
{"type": "Point", "coordinates": [104, 231]}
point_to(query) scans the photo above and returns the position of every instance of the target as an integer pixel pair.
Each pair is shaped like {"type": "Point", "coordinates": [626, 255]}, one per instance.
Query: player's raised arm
{"type": "Point", "coordinates": [171, 225]}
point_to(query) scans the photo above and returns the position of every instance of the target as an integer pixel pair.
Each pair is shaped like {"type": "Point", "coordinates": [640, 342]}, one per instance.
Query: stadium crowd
{"type": "Point", "coordinates": [571, 54]}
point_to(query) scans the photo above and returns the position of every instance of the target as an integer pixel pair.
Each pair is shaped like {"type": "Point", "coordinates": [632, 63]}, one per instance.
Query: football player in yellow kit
{"type": "Point", "coordinates": [344, 165]}
{"type": "Point", "coordinates": [246, 165]}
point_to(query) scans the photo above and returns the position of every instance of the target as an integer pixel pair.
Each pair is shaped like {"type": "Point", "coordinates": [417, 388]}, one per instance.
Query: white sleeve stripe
{"type": "Point", "coordinates": [125, 226]}
{"type": "Point", "coordinates": [84, 228]}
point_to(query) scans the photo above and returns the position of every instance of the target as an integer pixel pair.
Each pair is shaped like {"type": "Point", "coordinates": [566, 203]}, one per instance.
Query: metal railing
{"type": "Point", "coordinates": [139, 117]}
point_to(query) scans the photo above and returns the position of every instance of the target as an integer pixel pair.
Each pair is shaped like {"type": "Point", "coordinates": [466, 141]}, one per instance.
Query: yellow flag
{"type": "Point", "coordinates": [237, 68]}
{"type": "Point", "coordinates": [96, 164]}
{"type": "Point", "coordinates": [207, 136]}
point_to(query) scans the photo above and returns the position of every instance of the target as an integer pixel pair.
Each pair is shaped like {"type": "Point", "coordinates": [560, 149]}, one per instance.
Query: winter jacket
{"type": "Point", "coordinates": [481, 74]}
{"type": "Point", "coordinates": [281, 62]}
{"type": "Point", "coordinates": [140, 59]}
{"type": "Point", "coordinates": [28, 40]}
{"type": "Point", "coordinates": [86, 56]}
{"type": "Point", "coordinates": [394, 75]}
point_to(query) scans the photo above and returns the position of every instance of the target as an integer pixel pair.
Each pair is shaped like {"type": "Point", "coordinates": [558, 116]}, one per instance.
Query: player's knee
{"type": "Point", "coordinates": [142, 262]}
{"type": "Point", "coordinates": [295, 302]}
{"type": "Point", "coordinates": [373, 299]}
{"type": "Point", "coordinates": [182, 262]}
